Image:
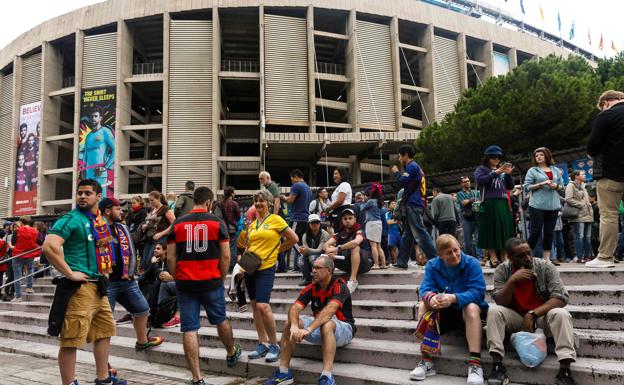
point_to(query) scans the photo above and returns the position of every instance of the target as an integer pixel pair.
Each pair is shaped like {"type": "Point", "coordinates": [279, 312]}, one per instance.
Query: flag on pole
{"type": "Point", "coordinates": [572, 30]}
{"type": "Point", "coordinates": [541, 12]}
{"type": "Point", "coordinates": [559, 20]}
{"type": "Point", "coordinates": [522, 7]}
{"type": "Point", "coordinates": [613, 47]}
{"type": "Point", "coordinates": [601, 43]}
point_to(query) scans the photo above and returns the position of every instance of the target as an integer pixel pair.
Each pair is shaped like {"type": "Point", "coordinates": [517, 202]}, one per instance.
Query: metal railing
{"type": "Point", "coordinates": [330, 68]}
{"type": "Point", "coordinates": [240, 66]}
{"type": "Point", "coordinates": [69, 81]}
{"type": "Point", "coordinates": [19, 255]}
{"type": "Point", "coordinates": [147, 68]}
{"type": "Point", "coordinates": [25, 276]}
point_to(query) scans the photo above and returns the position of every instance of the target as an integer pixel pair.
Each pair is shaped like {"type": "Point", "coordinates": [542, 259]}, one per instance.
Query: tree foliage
{"type": "Point", "coordinates": [550, 102]}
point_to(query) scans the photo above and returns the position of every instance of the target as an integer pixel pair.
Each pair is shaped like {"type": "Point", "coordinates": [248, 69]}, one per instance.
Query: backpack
{"type": "Point", "coordinates": [163, 312]}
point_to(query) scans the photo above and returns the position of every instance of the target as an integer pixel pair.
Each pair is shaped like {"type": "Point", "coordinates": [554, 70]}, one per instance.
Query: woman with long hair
{"type": "Point", "coordinates": [341, 197]}
{"type": "Point", "coordinates": [576, 196]}
{"type": "Point", "coordinates": [543, 181]}
{"type": "Point", "coordinates": [156, 226]}
{"type": "Point", "coordinates": [264, 240]}
{"type": "Point", "coordinates": [373, 229]}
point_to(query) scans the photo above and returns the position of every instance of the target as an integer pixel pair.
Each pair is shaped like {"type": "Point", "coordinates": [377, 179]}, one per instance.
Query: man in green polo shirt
{"type": "Point", "coordinates": [78, 246]}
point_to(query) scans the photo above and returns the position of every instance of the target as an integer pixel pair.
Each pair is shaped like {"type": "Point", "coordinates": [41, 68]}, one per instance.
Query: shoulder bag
{"type": "Point", "coordinates": [251, 261]}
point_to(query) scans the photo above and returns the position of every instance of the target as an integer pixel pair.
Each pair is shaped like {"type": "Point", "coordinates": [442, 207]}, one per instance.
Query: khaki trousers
{"type": "Point", "coordinates": [610, 193]}
{"type": "Point", "coordinates": [557, 323]}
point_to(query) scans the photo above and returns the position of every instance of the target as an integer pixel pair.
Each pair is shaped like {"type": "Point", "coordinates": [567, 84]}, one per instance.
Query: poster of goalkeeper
{"type": "Point", "coordinates": [96, 157]}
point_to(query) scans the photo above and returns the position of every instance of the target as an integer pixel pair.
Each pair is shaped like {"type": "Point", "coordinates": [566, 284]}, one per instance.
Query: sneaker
{"type": "Point", "coordinates": [352, 285]}
{"type": "Point", "coordinates": [597, 262]}
{"type": "Point", "coordinates": [198, 382]}
{"type": "Point", "coordinates": [111, 380]}
{"type": "Point", "coordinates": [273, 354]}
{"type": "Point", "coordinates": [280, 378]}
{"type": "Point", "coordinates": [233, 359]}
{"type": "Point", "coordinates": [124, 320]}
{"type": "Point", "coordinates": [151, 342]}
{"type": "Point", "coordinates": [326, 380]}
{"type": "Point", "coordinates": [475, 375]}
{"type": "Point", "coordinates": [498, 375]}
{"type": "Point", "coordinates": [564, 377]}
{"type": "Point", "coordinates": [174, 322]}
{"type": "Point", "coordinates": [398, 267]}
{"type": "Point", "coordinates": [261, 351]}
{"type": "Point", "coordinates": [232, 295]}
{"type": "Point", "coordinates": [422, 370]}
{"type": "Point", "coordinates": [16, 299]}
{"type": "Point", "coordinates": [74, 382]}
{"type": "Point", "coordinates": [242, 308]}
{"type": "Point", "coordinates": [29, 290]}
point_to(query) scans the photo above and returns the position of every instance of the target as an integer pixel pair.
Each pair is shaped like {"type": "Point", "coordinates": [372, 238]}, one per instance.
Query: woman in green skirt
{"type": "Point", "coordinates": [494, 180]}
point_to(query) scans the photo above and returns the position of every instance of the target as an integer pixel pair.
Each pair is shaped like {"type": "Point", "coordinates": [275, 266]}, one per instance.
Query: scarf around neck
{"type": "Point", "coordinates": [125, 247]}
{"type": "Point", "coordinates": [102, 238]}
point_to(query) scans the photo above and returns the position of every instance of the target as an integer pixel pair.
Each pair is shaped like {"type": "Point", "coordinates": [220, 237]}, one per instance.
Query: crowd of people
{"type": "Point", "coordinates": [165, 258]}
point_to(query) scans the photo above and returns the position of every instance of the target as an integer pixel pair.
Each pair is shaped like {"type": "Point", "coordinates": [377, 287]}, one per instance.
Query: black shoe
{"type": "Point", "coordinates": [498, 375]}
{"type": "Point", "coordinates": [304, 282]}
{"type": "Point", "coordinates": [564, 377]}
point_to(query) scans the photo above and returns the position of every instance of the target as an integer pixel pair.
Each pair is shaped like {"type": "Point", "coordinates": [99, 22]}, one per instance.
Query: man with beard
{"type": "Point", "coordinates": [529, 295]}
{"type": "Point", "coordinates": [99, 151]}
{"type": "Point", "coordinates": [79, 247]}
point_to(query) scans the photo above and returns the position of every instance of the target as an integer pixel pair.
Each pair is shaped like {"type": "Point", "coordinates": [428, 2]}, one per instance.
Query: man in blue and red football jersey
{"type": "Point", "coordinates": [198, 257]}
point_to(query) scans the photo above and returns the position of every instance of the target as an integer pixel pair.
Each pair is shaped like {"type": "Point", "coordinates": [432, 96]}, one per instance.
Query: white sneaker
{"type": "Point", "coordinates": [352, 285]}
{"type": "Point", "coordinates": [422, 370]}
{"type": "Point", "coordinates": [475, 375]}
{"type": "Point", "coordinates": [596, 262]}
{"type": "Point", "coordinates": [30, 290]}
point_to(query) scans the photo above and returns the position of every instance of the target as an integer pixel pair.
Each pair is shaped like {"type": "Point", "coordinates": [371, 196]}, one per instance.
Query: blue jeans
{"type": "Point", "coordinates": [233, 251]}
{"type": "Point", "coordinates": [212, 301]}
{"type": "Point", "coordinates": [128, 294]}
{"type": "Point", "coordinates": [344, 331]}
{"type": "Point", "coordinates": [558, 250]}
{"type": "Point", "coordinates": [582, 239]}
{"type": "Point", "coordinates": [17, 274]}
{"type": "Point", "coordinates": [471, 232]}
{"type": "Point", "coordinates": [166, 290]}
{"type": "Point", "coordinates": [415, 231]}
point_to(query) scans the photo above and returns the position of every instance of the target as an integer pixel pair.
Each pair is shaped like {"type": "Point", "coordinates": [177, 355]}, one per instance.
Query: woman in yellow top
{"type": "Point", "coordinates": [264, 239]}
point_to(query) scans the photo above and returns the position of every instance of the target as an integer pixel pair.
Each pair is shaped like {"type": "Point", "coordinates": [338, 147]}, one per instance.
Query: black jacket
{"type": "Point", "coordinates": [606, 142]}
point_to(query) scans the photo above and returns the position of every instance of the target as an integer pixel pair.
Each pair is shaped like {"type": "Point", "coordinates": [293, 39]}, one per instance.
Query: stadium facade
{"type": "Point", "coordinates": [145, 95]}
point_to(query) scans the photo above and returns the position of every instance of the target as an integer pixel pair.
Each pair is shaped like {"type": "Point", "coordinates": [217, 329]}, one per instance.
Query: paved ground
{"type": "Point", "coordinates": [21, 370]}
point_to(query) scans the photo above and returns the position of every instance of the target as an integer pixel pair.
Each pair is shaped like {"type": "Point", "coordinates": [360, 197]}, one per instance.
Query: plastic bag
{"type": "Point", "coordinates": [531, 347]}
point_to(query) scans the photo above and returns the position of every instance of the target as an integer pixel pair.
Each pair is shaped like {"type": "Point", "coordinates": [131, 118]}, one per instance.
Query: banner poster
{"type": "Point", "coordinates": [27, 161]}
{"type": "Point", "coordinates": [96, 151]}
{"type": "Point", "coordinates": [565, 175]}
{"type": "Point", "coordinates": [585, 165]}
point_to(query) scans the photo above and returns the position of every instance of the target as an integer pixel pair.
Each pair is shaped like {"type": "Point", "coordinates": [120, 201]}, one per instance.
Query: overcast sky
{"type": "Point", "coordinates": [600, 16]}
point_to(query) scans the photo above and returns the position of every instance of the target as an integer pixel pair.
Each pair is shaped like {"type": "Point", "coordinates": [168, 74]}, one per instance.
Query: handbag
{"type": "Point", "coordinates": [569, 212]}
{"type": "Point", "coordinates": [250, 261]}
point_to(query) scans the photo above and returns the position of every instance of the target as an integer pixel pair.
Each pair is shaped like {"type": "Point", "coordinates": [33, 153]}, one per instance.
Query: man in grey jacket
{"type": "Point", "coordinates": [443, 212]}
{"type": "Point", "coordinates": [529, 294]}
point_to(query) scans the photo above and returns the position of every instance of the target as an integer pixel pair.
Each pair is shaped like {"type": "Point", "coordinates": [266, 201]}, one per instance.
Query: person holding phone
{"type": "Point", "coordinates": [544, 182]}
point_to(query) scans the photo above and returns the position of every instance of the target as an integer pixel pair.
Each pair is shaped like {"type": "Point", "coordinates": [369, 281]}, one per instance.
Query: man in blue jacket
{"type": "Point", "coordinates": [454, 287]}
{"type": "Point", "coordinates": [413, 182]}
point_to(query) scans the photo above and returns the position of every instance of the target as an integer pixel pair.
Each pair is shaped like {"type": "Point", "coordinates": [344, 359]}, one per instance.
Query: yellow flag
{"type": "Point", "coordinates": [613, 47]}
{"type": "Point", "coordinates": [541, 12]}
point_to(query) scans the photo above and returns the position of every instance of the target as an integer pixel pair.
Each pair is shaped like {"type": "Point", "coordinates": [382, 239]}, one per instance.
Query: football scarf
{"type": "Point", "coordinates": [102, 238]}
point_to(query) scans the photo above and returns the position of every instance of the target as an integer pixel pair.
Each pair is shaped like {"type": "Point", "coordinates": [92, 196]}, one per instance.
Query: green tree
{"type": "Point", "coordinates": [611, 72]}
{"type": "Point", "coordinates": [549, 103]}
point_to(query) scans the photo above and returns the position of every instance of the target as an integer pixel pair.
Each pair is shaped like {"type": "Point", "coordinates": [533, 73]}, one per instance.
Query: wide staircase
{"type": "Point", "coordinates": [384, 350]}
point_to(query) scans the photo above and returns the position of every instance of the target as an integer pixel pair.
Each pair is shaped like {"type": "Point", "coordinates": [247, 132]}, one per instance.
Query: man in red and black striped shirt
{"type": "Point", "coordinates": [332, 325]}
{"type": "Point", "coordinates": [199, 258]}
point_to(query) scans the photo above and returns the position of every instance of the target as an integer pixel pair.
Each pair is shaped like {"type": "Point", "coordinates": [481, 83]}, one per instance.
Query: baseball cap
{"type": "Point", "coordinates": [347, 211]}
{"type": "Point", "coordinates": [314, 218]}
{"type": "Point", "coordinates": [107, 203]}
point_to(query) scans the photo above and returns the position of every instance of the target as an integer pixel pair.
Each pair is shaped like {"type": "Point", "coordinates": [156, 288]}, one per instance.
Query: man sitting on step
{"type": "Point", "coordinates": [332, 326]}
{"type": "Point", "coordinates": [454, 287]}
{"type": "Point", "coordinates": [529, 294]}
{"type": "Point", "coordinates": [347, 243]}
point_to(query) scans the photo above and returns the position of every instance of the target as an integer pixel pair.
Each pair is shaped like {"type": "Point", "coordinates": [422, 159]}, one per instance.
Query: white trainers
{"type": "Point", "coordinates": [475, 375]}
{"type": "Point", "coordinates": [424, 369]}
{"type": "Point", "coordinates": [596, 262]}
{"type": "Point", "coordinates": [352, 285]}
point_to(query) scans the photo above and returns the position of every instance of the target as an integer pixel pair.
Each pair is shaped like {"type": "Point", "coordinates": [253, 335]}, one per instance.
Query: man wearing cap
{"type": "Point", "coordinates": [123, 288]}
{"type": "Point", "coordinates": [312, 246]}
{"type": "Point", "coordinates": [346, 244]}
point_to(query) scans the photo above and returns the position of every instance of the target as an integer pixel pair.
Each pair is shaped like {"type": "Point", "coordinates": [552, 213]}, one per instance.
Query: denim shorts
{"type": "Point", "coordinates": [344, 332]}
{"type": "Point", "coordinates": [212, 301]}
{"type": "Point", "coordinates": [260, 284]}
{"type": "Point", "coordinates": [128, 294]}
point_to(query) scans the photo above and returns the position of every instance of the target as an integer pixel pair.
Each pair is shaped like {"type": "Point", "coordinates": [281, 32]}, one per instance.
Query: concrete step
{"type": "Point", "coordinates": [452, 363]}
{"type": "Point", "coordinates": [591, 343]}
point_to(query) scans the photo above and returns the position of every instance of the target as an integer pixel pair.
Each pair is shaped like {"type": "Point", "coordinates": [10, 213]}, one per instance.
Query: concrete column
{"type": "Point", "coordinates": [165, 118]}
{"type": "Point", "coordinates": [427, 76]}
{"type": "Point", "coordinates": [216, 99]}
{"type": "Point", "coordinates": [461, 53]}
{"type": "Point", "coordinates": [513, 58]}
{"type": "Point", "coordinates": [396, 71]}
{"type": "Point", "coordinates": [51, 80]}
{"type": "Point", "coordinates": [124, 105]}
{"type": "Point", "coordinates": [17, 96]}
{"type": "Point", "coordinates": [77, 102]}
{"type": "Point", "coordinates": [356, 172]}
{"type": "Point", "coordinates": [311, 69]}
{"type": "Point", "coordinates": [262, 97]}
{"type": "Point", "coordinates": [488, 59]}
{"type": "Point", "coordinates": [352, 72]}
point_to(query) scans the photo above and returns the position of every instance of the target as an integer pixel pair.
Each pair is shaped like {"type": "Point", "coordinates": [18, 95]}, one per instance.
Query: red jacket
{"type": "Point", "coordinates": [4, 248]}
{"type": "Point", "coordinates": [26, 240]}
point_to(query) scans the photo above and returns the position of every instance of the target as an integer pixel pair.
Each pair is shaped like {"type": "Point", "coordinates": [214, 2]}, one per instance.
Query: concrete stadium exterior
{"type": "Point", "coordinates": [214, 91]}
